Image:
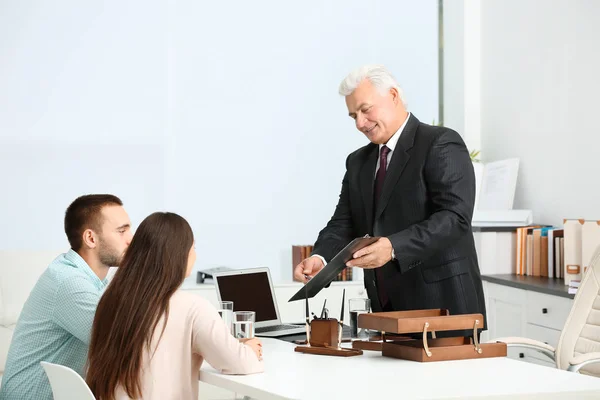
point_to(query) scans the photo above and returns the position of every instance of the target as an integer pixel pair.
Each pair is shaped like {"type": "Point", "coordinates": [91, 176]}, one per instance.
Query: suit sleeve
{"type": "Point", "coordinates": [339, 231]}
{"type": "Point", "coordinates": [450, 181]}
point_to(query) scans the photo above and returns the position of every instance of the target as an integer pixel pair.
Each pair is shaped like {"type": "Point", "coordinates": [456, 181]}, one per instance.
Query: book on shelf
{"type": "Point", "coordinates": [496, 251]}
{"type": "Point", "coordinates": [581, 239]}
{"type": "Point", "coordinates": [572, 246]}
{"type": "Point", "coordinates": [526, 248]}
{"type": "Point", "coordinates": [554, 254]}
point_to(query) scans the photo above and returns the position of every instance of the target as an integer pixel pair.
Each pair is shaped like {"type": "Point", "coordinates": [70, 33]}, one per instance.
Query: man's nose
{"type": "Point", "coordinates": [360, 122]}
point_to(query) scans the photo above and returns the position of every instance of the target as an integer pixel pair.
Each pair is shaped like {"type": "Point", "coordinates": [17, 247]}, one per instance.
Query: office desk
{"type": "Point", "coordinates": [291, 375]}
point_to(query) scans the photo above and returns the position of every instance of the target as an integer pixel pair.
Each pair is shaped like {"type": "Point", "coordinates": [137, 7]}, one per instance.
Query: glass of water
{"type": "Point", "coordinates": [226, 312]}
{"type": "Point", "coordinates": [357, 307]}
{"type": "Point", "coordinates": [243, 324]}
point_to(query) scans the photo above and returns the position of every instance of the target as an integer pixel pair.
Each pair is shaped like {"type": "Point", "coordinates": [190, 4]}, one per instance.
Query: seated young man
{"type": "Point", "coordinates": [56, 320]}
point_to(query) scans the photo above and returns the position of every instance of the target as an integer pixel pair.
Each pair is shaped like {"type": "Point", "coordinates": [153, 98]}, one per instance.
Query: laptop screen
{"type": "Point", "coordinates": [249, 292]}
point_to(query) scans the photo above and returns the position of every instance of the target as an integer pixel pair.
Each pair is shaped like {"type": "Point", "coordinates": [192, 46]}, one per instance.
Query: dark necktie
{"type": "Point", "coordinates": [379, 178]}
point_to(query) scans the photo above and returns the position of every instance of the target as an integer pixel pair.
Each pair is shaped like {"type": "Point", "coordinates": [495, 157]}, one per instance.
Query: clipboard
{"type": "Point", "coordinates": [332, 269]}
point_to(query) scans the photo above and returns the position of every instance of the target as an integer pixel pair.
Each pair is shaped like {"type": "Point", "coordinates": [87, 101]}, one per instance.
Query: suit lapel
{"type": "Point", "coordinates": [400, 157]}
{"type": "Point", "coordinates": [367, 180]}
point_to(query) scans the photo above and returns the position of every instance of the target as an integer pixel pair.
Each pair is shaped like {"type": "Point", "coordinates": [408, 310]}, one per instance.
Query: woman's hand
{"type": "Point", "coordinates": [255, 345]}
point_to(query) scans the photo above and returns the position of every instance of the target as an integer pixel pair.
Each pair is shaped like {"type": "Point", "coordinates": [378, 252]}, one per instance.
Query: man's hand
{"type": "Point", "coordinates": [255, 345]}
{"type": "Point", "coordinates": [309, 267]}
{"type": "Point", "coordinates": [373, 256]}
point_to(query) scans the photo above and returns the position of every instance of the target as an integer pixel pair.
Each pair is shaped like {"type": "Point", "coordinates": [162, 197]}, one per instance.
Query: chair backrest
{"type": "Point", "coordinates": [66, 384]}
{"type": "Point", "coordinates": [581, 333]}
{"type": "Point", "coordinates": [19, 272]}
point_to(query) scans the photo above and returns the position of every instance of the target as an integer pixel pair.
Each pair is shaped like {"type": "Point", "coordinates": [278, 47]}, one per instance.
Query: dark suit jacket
{"type": "Point", "coordinates": [425, 209]}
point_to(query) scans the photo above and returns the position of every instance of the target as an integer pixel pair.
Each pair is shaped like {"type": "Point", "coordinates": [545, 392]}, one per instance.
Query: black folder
{"type": "Point", "coordinates": [333, 268]}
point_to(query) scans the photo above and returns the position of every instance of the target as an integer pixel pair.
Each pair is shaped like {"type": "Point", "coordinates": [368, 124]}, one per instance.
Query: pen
{"type": "Point", "coordinates": [323, 310]}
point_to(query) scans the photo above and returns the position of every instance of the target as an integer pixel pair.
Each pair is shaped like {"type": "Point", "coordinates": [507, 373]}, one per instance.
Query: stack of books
{"type": "Point", "coordinates": [540, 251]}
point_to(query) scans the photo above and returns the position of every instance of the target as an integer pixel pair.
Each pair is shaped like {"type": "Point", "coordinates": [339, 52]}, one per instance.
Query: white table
{"type": "Point", "coordinates": [291, 375]}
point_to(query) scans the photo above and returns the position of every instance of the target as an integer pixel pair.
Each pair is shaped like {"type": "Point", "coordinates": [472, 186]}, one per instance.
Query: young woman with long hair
{"type": "Point", "coordinates": [148, 338]}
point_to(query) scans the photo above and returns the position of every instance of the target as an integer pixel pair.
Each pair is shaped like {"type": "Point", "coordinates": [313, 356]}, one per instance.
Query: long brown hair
{"type": "Point", "coordinates": [153, 267]}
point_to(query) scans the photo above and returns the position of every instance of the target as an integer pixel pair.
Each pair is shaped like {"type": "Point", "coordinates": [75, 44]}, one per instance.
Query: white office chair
{"type": "Point", "coordinates": [578, 348]}
{"type": "Point", "coordinates": [66, 384]}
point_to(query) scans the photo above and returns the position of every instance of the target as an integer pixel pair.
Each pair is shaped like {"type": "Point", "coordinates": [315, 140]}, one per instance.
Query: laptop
{"type": "Point", "coordinates": [252, 290]}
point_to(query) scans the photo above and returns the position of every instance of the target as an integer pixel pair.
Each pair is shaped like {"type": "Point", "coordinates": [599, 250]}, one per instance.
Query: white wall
{"type": "Point", "coordinates": [227, 113]}
{"type": "Point", "coordinates": [454, 64]}
{"type": "Point", "coordinates": [82, 110]}
{"type": "Point", "coordinates": [462, 69]}
{"type": "Point", "coordinates": [539, 91]}
{"type": "Point", "coordinates": [261, 145]}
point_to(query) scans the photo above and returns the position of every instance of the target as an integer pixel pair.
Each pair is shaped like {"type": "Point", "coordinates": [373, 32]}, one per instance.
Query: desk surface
{"type": "Point", "coordinates": [291, 375]}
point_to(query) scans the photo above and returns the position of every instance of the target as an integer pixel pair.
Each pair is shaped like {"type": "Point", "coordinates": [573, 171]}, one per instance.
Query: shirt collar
{"type": "Point", "coordinates": [78, 262]}
{"type": "Point", "coordinates": [391, 143]}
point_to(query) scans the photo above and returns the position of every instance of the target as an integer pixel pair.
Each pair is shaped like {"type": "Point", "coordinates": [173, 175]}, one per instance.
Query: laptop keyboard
{"type": "Point", "coordinates": [275, 328]}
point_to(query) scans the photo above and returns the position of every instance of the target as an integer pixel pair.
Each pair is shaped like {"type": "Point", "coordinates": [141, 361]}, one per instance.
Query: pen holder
{"type": "Point", "coordinates": [324, 332]}
{"type": "Point", "coordinates": [324, 337]}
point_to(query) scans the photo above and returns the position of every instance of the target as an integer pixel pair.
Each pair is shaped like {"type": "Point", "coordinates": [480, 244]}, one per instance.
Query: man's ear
{"type": "Point", "coordinates": [395, 95]}
{"type": "Point", "coordinates": [89, 239]}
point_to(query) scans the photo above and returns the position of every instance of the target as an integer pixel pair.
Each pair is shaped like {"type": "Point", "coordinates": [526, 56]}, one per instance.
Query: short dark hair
{"type": "Point", "coordinates": [84, 213]}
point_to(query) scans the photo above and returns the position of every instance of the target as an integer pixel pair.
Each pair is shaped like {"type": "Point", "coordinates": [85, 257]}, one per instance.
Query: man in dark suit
{"type": "Point", "coordinates": [414, 187]}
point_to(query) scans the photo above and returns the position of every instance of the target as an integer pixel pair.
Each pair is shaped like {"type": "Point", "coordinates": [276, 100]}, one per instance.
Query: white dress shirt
{"type": "Point", "coordinates": [391, 144]}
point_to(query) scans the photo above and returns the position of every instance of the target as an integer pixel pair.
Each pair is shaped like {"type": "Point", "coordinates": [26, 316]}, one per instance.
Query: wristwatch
{"type": "Point", "coordinates": [393, 254]}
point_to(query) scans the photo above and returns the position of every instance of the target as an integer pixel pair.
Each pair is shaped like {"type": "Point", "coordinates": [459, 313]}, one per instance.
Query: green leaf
{"type": "Point", "coordinates": [473, 154]}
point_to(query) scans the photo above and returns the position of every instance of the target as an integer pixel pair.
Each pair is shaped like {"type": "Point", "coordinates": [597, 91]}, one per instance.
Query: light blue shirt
{"type": "Point", "coordinates": [54, 326]}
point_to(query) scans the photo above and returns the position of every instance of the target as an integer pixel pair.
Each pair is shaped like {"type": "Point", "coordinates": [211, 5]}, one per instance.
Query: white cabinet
{"type": "Point", "coordinates": [506, 313]}
{"type": "Point", "coordinates": [546, 310]}
{"type": "Point", "coordinates": [294, 312]}
{"type": "Point", "coordinates": [525, 313]}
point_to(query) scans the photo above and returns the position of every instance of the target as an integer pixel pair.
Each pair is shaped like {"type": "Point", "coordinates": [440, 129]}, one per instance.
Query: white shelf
{"type": "Point", "coordinates": [501, 218]}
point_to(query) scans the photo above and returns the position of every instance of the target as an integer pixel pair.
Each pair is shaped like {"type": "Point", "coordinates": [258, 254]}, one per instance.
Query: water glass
{"type": "Point", "coordinates": [243, 324]}
{"type": "Point", "coordinates": [226, 312]}
{"type": "Point", "coordinates": [357, 307]}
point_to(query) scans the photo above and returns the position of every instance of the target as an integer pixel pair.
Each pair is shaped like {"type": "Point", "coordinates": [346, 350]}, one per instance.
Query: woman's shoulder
{"type": "Point", "coordinates": [183, 300]}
